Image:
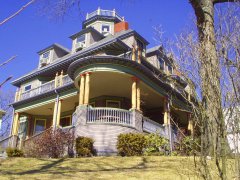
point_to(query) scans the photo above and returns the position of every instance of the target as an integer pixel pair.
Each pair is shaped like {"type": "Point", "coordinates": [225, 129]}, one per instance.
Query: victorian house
{"type": "Point", "coordinates": [108, 83]}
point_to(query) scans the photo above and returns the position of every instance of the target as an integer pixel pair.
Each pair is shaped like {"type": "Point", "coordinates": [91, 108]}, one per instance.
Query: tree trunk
{"type": "Point", "coordinates": [213, 127]}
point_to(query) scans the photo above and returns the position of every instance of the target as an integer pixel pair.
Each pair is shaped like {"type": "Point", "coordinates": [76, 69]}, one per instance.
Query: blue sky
{"type": "Point", "coordinates": [29, 32]}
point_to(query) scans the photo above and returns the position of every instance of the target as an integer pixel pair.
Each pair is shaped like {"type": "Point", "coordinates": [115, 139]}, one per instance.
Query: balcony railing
{"type": "Point", "coordinates": [153, 127]}
{"type": "Point", "coordinates": [44, 88]}
{"type": "Point", "coordinates": [102, 12]}
{"type": "Point", "coordinates": [109, 116]}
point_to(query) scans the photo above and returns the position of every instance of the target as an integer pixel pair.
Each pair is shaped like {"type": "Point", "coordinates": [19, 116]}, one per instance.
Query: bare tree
{"type": "Point", "coordinates": [5, 99]}
{"type": "Point", "coordinates": [213, 93]}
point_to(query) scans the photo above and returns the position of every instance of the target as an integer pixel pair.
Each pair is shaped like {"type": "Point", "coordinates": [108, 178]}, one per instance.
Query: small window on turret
{"type": "Point", "coordinates": [105, 29]}
{"type": "Point", "coordinates": [81, 39]}
{"type": "Point", "coordinates": [46, 55]}
{"type": "Point", "coordinates": [161, 62]}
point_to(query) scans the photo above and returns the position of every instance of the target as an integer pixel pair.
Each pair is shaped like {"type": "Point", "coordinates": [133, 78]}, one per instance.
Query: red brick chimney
{"type": "Point", "coordinates": [121, 26]}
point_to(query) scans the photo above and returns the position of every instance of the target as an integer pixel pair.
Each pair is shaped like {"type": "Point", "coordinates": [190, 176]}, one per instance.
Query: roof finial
{"type": "Point", "coordinates": [98, 11]}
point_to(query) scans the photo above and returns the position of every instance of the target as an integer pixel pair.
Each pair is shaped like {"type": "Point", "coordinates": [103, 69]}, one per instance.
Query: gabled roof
{"type": "Point", "coordinates": [86, 30]}
{"type": "Point", "coordinates": [55, 45]}
{"type": "Point", "coordinates": [58, 63]}
{"type": "Point", "coordinates": [153, 49]}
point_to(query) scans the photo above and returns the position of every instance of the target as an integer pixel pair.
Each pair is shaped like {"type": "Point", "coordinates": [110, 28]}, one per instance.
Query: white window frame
{"type": "Point", "coordinates": [106, 32]}
{"type": "Point", "coordinates": [27, 86]}
{"type": "Point", "coordinates": [38, 119]}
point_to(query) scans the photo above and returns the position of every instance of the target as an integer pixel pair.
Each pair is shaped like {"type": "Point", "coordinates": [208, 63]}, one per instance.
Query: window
{"type": "Point", "coordinates": [113, 104]}
{"type": "Point", "coordinates": [105, 29]}
{"type": "Point", "coordinates": [81, 39]}
{"type": "Point", "coordinates": [170, 70]}
{"type": "Point", "coordinates": [140, 44]}
{"type": "Point", "coordinates": [22, 131]}
{"type": "Point", "coordinates": [40, 125]}
{"type": "Point", "coordinates": [28, 87]}
{"type": "Point", "coordinates": [161, 62]}
{"type": "Point", "coordinates": [65, 121]}
{"type": "Point", "coordinates": [46, 55]}
{"type": "Point", "coordinates": [92, 104]}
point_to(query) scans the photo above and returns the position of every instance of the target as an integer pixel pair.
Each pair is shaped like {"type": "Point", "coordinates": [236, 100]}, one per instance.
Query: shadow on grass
{"type": "Point", "coordinates": [53, 168]}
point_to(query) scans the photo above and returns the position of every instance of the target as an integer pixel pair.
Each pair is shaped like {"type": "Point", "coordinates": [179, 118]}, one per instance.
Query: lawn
{"type": "Point", "coordinates": [150, 167]}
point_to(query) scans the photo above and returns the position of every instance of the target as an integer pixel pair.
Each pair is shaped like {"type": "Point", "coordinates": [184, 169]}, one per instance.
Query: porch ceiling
{"type": "Point", "coordinates": [120, 84]}
{"type": "Point", "coordinates": [68, 104]}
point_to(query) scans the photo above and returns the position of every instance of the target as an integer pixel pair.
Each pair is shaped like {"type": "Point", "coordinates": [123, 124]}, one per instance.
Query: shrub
{"type": "Point", "coordinates": [50, 143]}
{"type": "Point", "coordinates": [84, 146]}
{"type": "Point", "coordinates": [155, 145]}
{"type": "Point", "coordinates": [131, 144]}
{"type": "Point", "coordinates": [14, 152]}
{"type": "Point", "coordinates": [189, 146]}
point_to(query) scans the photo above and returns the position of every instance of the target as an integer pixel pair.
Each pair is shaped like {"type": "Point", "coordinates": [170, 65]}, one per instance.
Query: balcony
{"type": "Point", "coordinates": [101, 12]}
{"type": "Point", "coordinates": [46, 87]}
{"type": "Point", "coordinates": [120, 117]}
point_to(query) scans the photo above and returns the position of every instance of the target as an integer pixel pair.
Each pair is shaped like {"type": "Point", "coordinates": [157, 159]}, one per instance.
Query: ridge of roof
{"type": "Point", "coordinates": [108, 39]}
{"type": "Point", "coordinates": [52, 46]}
{"type": "Point", "coordinates": [83, 31]}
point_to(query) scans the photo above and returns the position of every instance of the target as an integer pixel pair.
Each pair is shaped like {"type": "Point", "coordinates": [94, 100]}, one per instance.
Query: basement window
{"type": "Point", "coordinates": [113, 104]}
{"type": "Point", "coordinates": [65, 121]}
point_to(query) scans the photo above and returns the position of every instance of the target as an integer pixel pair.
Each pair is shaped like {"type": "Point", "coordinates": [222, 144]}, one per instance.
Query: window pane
{"type": "Point", "coordinates": [169, 69]}
{"type": "Point", "coordinates": [65, 121]}
{"type": "Point", "coordinates": [46, 54]}
{"type": "Point", "coordinates": [161, 62]}
{"type": "Point", "coordinates": [40, 125]}
{"type": "Point", "coordinates": [81, 38]}
{"type": "Point", "coordinates": [113, 104]}
{"type": "Point", "coordinates": [27, 87]}
{"type": "Point", "coordinates": [105, 28]}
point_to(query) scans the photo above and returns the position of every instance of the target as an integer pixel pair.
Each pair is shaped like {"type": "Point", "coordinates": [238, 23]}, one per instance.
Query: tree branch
{"type": "Point", "coordinates": [16, 13]}
{"type": "Point", "coordinates": [6, 80]}
{"type": "Point", "coordinates": [224, 1]}
{"type": "Point", "coordinates": [7, 61]}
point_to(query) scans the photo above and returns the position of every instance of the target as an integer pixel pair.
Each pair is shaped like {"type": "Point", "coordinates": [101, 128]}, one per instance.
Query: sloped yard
{"type": "Point", "coordinates": [151, 167]}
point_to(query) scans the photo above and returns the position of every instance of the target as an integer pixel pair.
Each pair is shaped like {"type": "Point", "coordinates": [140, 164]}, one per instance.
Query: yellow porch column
{"type": "Point", "coordinates": [15, 124]}
{"type": "Point", "coordinates": [138, 97]}
{"type": "Point", "coordinates": [81, 89]}
{"type": "Point", "coordinates": [55, 114]}
{"type": "Point", "coordinates": [133, 53]}
{"type": "Point", "coordinates": [190, 123]}
{"type": "Point", "coordinates": [139, 55]}
{"type": "Point", "coordinates": [56, 80]}
{"type": "Point", "coordinates": [87, 89]}
{"type": "Point", "coordinates": [59, 112]}
{"type": "Point", "coordinates": [134, 93]}
{"type": "Point", "coordinates": [166, 112]}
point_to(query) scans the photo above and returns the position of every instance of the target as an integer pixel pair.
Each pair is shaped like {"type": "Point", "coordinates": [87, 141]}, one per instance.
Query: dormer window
{"type": "Point", "coordinates": [28, 87]}
{"type": "Point", "coordinates": [81, 39]}
{"type": "Point", "coordinates": [170, 69]}
{"type": "Point", "coordinates": [161, 63]}
{"type": "Point", "coordinates": [44, 59]}
{"type": "Point", "coordinates": [80, 42]}
{"type": "Point", "coordinates": [105, 29]}
{"type": "Point", "coordinates": [46, 55]}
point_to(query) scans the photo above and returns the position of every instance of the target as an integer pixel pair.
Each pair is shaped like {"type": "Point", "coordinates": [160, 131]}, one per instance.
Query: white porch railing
{"type": "Point", "coordinates": [44, 88]}
{"type": "Point", "coordinates": [151, 126]}
{"type": "Point", "coordinates": [101, 12]}
{"type": "Point", "coordinates": [109, 115]}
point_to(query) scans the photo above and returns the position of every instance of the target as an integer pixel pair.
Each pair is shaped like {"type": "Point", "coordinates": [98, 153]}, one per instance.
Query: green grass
{"type": "Point", "coordinates": [122, 168]}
